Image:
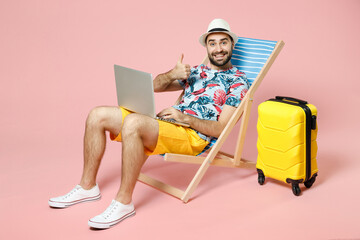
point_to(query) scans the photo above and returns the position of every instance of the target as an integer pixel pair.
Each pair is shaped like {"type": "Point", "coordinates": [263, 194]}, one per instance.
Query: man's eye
{"type": "Point", "coordinates": [224, 43]}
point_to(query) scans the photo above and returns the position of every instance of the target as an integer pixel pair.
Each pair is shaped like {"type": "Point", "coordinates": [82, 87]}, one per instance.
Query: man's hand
{"type": "Point", "coordinates": [207, 127]}
{"type": "Point", "coordinates": [172, 113]}
{"type": "Point", "coordinates": [181, 71]}
{"type": "Point", "coordinates": [166, 81]}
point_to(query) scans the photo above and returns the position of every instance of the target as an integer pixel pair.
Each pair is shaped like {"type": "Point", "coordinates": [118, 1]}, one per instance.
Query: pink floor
{"type": "Point", "coordinates": [228, 204]}
{"type": "Point", "coordinates": [57, 63]}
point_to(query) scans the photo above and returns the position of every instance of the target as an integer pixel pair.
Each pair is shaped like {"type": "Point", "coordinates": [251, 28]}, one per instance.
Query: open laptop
{"type": "Point", "coordinates": [135, 92]}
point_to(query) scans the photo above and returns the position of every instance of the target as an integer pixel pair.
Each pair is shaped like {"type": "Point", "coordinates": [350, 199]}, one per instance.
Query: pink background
{"type": "Point", "coordinates": [57, 63]}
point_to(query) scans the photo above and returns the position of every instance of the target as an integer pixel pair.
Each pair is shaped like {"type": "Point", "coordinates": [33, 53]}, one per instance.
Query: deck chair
{"type": "Point", "coordinates": [254, 57]}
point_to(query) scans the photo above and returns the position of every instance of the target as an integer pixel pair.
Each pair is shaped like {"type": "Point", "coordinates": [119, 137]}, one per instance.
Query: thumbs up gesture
{"type": "Point", "coordinates": [181, 71]}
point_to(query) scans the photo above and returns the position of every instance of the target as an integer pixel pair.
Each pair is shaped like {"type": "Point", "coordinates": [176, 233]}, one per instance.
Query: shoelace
{"type": "Point", "coordinates": [71, 192]}
{"type": "Point", "coordinates": [107, 213]}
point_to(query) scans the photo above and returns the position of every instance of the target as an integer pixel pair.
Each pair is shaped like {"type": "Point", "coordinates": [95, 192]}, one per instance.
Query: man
{"type": "Point", "coordinates": [211, 95]}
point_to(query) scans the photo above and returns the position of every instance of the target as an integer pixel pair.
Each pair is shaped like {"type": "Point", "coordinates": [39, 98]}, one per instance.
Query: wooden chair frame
{"type": "Point", "coordinates": [214, 155]}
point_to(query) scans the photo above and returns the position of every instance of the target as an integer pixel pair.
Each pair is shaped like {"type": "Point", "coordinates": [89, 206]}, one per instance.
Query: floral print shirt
{"type": "Point", "coordinates": [207, 90]}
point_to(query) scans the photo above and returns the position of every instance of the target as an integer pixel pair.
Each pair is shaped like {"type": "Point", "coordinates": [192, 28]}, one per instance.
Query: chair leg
{"type": "Point", "coordinates": [195, 181]}
{"type": "Point", "coordinates": [201, 172]}
{"type": "Point", "coordinates": [173, 191]}
{"type": "Point", "coordinates": [242, 132]}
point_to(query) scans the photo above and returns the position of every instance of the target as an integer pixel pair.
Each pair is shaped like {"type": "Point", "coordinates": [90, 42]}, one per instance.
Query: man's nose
{"type": "Point", "coordinates": [218, 48]}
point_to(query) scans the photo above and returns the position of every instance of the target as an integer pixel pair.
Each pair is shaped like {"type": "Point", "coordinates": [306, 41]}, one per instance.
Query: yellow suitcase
{"type": "Point", "coordinates": [287, 147]}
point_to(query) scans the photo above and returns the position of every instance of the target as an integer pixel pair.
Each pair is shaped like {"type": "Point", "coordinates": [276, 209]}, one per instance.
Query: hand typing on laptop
{"type": "Point", "coordinates": [172, 115]}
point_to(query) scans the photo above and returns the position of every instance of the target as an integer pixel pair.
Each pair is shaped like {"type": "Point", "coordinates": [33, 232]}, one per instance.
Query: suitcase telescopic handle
{"type": "Point", "coordinates": [291, 99]}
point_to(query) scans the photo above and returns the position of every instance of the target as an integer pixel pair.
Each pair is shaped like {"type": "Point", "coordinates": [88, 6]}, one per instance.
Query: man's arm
{"type": "Point", "coordinates": [167, 81]}
{"type": "Point", "coordinates": [207, 127]}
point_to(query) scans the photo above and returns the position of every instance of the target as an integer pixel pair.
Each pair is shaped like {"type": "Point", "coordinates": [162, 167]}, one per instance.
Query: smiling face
{"type": "Point", "coordinates": [219, 47]}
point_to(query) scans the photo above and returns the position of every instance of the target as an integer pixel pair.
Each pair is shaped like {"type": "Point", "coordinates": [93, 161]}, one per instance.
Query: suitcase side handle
{"type": "Point", "coordinates": [291, 99]}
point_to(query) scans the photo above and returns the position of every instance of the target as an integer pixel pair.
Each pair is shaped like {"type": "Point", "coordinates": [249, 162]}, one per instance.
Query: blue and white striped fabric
{"type": "Point", "coordinates": [250, 55]}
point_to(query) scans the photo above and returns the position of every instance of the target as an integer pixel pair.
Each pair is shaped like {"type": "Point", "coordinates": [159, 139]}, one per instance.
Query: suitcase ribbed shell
{"type": "Point", "coordinates": [282, 141]}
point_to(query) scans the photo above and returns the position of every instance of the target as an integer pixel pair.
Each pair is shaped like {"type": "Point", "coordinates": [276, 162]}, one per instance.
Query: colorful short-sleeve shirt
{"type": "Point", "coordinates": [207, 90]}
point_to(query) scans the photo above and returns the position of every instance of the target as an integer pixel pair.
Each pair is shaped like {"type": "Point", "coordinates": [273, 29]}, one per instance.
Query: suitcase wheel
{"type": "Point", "coordinates": [296, 189]}
{"type": "Point", "coordinates": [311, 181]}
{"type": "Point", "coordinates": [261, 177]}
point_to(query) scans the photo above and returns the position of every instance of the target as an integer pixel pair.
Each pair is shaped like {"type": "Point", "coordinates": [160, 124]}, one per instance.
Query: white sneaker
{"type": "Point", "coordinates": [114, 214]}
{"type": "Point", "coordinates": [77, 195]}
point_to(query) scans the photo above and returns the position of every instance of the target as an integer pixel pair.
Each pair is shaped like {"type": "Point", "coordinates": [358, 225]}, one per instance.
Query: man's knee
{"type": "Point", "coordinates": [132, 124]}
{"type": "Point", "coordinates": [98, 116]}
{"type": "Point", "coordinates": [137, 125]}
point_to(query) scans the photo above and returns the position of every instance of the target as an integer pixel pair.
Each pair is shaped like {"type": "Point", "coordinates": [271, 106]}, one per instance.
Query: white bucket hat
{"type": "Point", "coordinates": [218, 25]}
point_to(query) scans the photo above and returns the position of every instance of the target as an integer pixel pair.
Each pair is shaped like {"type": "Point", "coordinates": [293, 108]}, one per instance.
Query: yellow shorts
{"type": "Point", "coordinates": [172, 139]}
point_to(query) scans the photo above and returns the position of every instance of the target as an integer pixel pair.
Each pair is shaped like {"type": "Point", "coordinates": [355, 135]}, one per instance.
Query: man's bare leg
{"type": "Point", "coordinates": [99, 120]}
{"type": "Point", "coordinates": [138, 132]}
